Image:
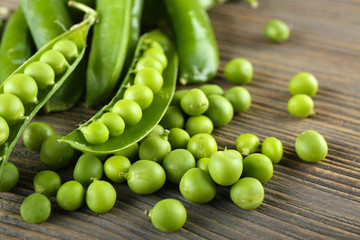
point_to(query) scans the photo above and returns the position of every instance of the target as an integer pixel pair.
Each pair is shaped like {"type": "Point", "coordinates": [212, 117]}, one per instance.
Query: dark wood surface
{"type": "Point", "coordinates": [302, 200]}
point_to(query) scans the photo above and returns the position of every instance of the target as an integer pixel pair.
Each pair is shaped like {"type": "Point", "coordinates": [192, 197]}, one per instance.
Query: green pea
{"type": "Point", "coordinates": [9, 177]}
{"type": "Point", "coordinates": [11, 108]}
{"type": "Point", "coordinates": [202, 145]}
{"type": "Point", "coordinates": [23, 86]}
{"type": "Point", "coordinates": [87, 169]}
{"type": "Point", "coordinates": [70, 196]}
{"type": "Point", "coordinates": [36, 208]}
{"type": "Point", "coordinates": [199, 124]}
{"type": "Point", "coordinates": [158, 130]}
{"type": "Point", "coordinates": [258, 166]}
{"type": "Point", "coordinates": [157, 45]}
{"type": "Point", "coordinates": [42, 72]}
{"type": "Point", "coordinates": [129, 110]}
{"type": "Point", "coordinates": [301, 106]}
{"type": "Point", "coordinates": [149, 77]}
{"type": "Point", "coordinates": [225, 167]}
{"type": "Point", "coordinates": [304, 83]}
{"type": "Point", "coordinates": [131, 152]}
{"type": "Point", "coordinates": [68, 48]}
{"type": "Point", "coordinates": [276, 31]}
{"type": "Point", "coordinates": [178, 138]}
{"type": "Point", "coordinates": [197, 186]}
{"type": "Point", "coordinates": [173, 118]}
{"type": "Point", "coordinates": [35, 134]}
{"type": "Point", "coordinates": [311, 146]}
{"type": "Point", "coordinates": [149, 62]}
{"type": "Point", "coordinates": [56, 60]}
{"type": "Point", "coordinates": [177, 97]}
{"type": "Point", "coordinates": [247, 143]}
{"type": "Point", "coordinates": [154, 148]}
{"type": "Point", "coordinates": [168, 215]}
{"type": "Point", "coordinates": [239, 71]}
{"type": "Point", "coordinates": [210, 89]}
{"type": "Point", "coordinates": [100, 196]}
{"type": "Point", "coordinates": [203, 164]}
{"type": "Point", "coordinates": [145, 177]}
{"type": "Point", "coordinates": [194, 102]}
{"type": "Point", "coordinates": [158, 54]}
{"type": "Point", "coordinates": [247, 193]}
{"type": "Point", "coordinates": [4, 131]}
{"type": "Point", "coordinates": [114, 123]}
{"type": "Point", "coordinates": [273, 149]}
{"type": "Point", "coordinates": [114, 166]}
{"type": "Point", "coordinates": [47, 182]}
{"type": "Point", "coordinates": [55, 154]}
{"type": "Point", "coordinates": [141, 94]}
{"type": "Point", "coordinates": [239, 98]}
{"type": "Point", "coordinates": [96, 133]}
{"type": "Point", "coordinates": [177, 163]}
{"type": "Point", "coordinates": [220, 110]}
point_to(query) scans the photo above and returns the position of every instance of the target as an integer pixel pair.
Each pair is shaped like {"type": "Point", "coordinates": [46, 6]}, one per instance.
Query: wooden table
{"type": "Point", "coordinates": [302, 200]}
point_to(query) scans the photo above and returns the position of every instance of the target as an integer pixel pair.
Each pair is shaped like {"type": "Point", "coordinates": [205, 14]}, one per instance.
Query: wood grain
{"type": "Point", "coordinates": [302, 200]}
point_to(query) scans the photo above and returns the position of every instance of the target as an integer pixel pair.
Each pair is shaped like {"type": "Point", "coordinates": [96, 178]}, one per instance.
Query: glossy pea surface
{"type": "Point", "coordinates": [203, 164]}
{"type": "Point", "coordinates": [36, 208]}
{"type": "Point", "coordinates": [4, 131]}
{"type": "Point", "coordinates": [239, 98]}
{"type": "Point", "coordinates": [42, 72]}
{"type": "Point", "coordinates": [131, 152]}
{"type": "Point", "coordinates": [272, 148]}
{"type": "Point", "coordinates": [56, 60]}
{"type": "Point", "coordinates": [301, 106]}
{"type": "Point", "coordinates": [247, 143]}
{"type": "Point", "coordinates": [276, 31]}
{"type": "Point", "coordinates": [70, 196]}
{"type": "Point", "coordinates": [87, 169]}
{"type": "Point", "coordinates": [114, 123]}
{"type": "Point", "coordinates": [23, 86]}
{"type": "Point", "coordinates": [194, 102]}
{"type": "Point", "coordinates": [220, 110]}
{"type": "Point", "coordinates": [96, 133]}
{"type": "Point", "coordinates": [178, 138]}
{"type": "Point", "coordinates": [258, 166]}
{"type": "Point", "coordinates": [158, 54]}
{"type": "Point", "coordinates": [311, 146]}
{"type": "Point", "coordinates": [177, 163]}
{"type": "Point", "coordinates": [115, 166]}
{"type": "Point", "coordinates": [177, 97]}
{"type": "Point", "coordinates": [141, 94]}
{"type": "Point", "coordinates": [129, 110]}
{"type": "Point", "coordinates": [210, 89]}
{"type": "Point", "coordinates": [304, 83]}
{"type": "Point", "coordinates": [154, 148]}
{"type": "Point", "coordinates": [35, 134]}
{"type": "Point", "coordinates": [173, 118]}
{"type": "Point", "coordinates": [149, 77]}
{"type": "Point", "coordinates": [149, 62]}
{"type": "Point", "coordinates": [9, 177]}
{"type": "Point", "coordinates": [11, 108]}
{"type": "Point", "coordinates": [247, 193]}
{"type": "Point", "coordinates": [202, 145]}
{"type": "Point", "coordinates": [47, 182]}
{"type": "Point", "coordinates": [239, 71]}
{"type": "Point", "coordinates": [68, 48]}
{"type": "Point", "coordinates": [199, 124]}
{"type": "Point", "coordinates": [100, 196]}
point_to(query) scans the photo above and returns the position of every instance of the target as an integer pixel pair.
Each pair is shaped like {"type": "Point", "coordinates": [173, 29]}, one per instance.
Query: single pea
{"type": "Point", "coordinates": [202, 145]}
{"type": "Point", "coordinates": [55, 154]}
{"type": "Point", "coordinates": [158, 54]}
{"type": "Point", "coordinates": [129, 110]}
{"type": "Point", "coordinates": [239, 98]}
{"type": "Point", "coordinates": [145, 177]}
{"type": "Point", "coordinates": [173, 118]}
{"type": "Point", "coordinates": [4, 131]}
{"type": "Point", "coordinates": [177, 97]}
{"type": "Point", "coordinates": [199, 124]}
{"type": "Point", "coordinates": [194, 102]}
{"type": "Point", "coordinates": [23, 86]}
{"type": "Point", "coordinates": [96, 133]}
{"type": "Point", "coordinates": [178, 138]}
{"type": "Point", "coordinates": [272, 148]}
{"type": "Point", "coordinates": [56, 60]}
{"type": "Point", "coordinates": [47, 182]}
{"type": "Point", "coordinates": [114, 166]}
{"type": "Point", "coordinates": [276, 31]}
{"type": "Point", "coordinates": [258, 166]}
{"type": "Point", "coordinates": [247, 193]}
{"type": "Point", "coordinates": [203, 164]}
{"type": "Point", "coordinates": [9, 177]}
{"type": "Point", "coordinates": [304, 83]}
{"type": "Point", "coordinates": [70, 196]}
{"type": "Point", "coordinates": [311, 146]}
{"type": "Point", "coordinates": [158, 130]}
{"type": "Point", "coordinates": [225, 167]}
{"type": "Point", "coordinates": [149, 77]}
{"type": "Point", "coordinates": [197, 186]}
{"type": "Point", "coordinates": [11, 108]}
{"type": "Point", "coordinates": [177, 163]}
{"type": "Point", "coordinates": [35, 134]}
{"type": "Point", "coordinates": [168, 215]}
{"type": "Point", "coordinates": [36, 208]}
{"type": "Point", "coordinates": [239, 71]}
{"type": "Point", "coordinates": [141, 94]}
{"type": "Point", "coordinates": [131, 152]}
{"type": "Point", "coordinates": [156, 44]}
{"type": "Point", "coordinates": [154, 148]}
{"type": "Point", "coordinates": [100, 196]}
{"type": "Point", "coordinates": [149, 62]}
{"type": "Point", "coordinates": [247, 143]}
{"type": "Point", "coordinates": [114, 123]}
{"type": "Point", "coordinates": [68, 48]}
{"type": "Point", "coordinates": [88, 169]}
{"type": "Point", "coordinates": [42, 72]}
{"type": "Point", "coordinates": [210, 89]}
{"type": "Point", "coordinates": [301, 106]}
{"type": "Point", "coordinates": [220, 110]}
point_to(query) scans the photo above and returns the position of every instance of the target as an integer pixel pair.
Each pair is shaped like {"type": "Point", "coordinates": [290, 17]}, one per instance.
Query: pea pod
{"type": "Point", "coordinates": [108, 49]}
{"type": "Point", "coordinates": [195, 40]}
{"type": "Point", "coordinates": [16, 45]}
{"type": "Point", "coordinates": [151, 115]}
{"type": "Point", "coordinates": [77, 35]}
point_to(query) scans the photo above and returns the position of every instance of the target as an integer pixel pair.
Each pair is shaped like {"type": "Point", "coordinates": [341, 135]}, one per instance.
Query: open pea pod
{"type": "Point", "coordinates": [151, 115]}
{"type": "Point", "coordinates": [77, 34]}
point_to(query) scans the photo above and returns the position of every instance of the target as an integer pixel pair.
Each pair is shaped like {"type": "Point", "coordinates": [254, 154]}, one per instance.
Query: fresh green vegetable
{"type": "Point", "coordinates": [203, 164]}
{"type": "Point", "coordinates": [70, 196]}
{"type": "Point", "coordinates": [239, 71]}
{"type": "Point", "coordinates": [11, 108]}
{"type": "Point", "coordinates": [177, 163]}
{"type": "Point", "coordinates": [178, 138]}
{"type": "Point", "coordinates": [199, 124]}
{"type": "Point", "coordinates": [100, 196]}
{"type": "Point", "coordinates": [239, 98]}
{"type": "Point", "coordinates": [88, 169]}
{"type": "Point", "coordinates": [272, 148]}
{"type": "Point", "coordinates": [301, 106]}
{"type": "Point", "coordinates": [202, 145]}
{"type": "Point", "coordinates": [304, 83]}
{"type": "Point", "coordinates": [177, 97]}
{"type": "Point", "coordinates": [210, 89]}
{"type": "Point", "coordinates": [194, 102]}
{"type": "Point", "coordinates": [9, 177]}
{"type": "Point", "coordinates": [114, 123]}
{"type": "Point", "coordinates": [247, 193]}
{"type": "Point", "coordinates": [131, 152]}
{"type": "Point", "coordinates": [276, 31]}
{"type": "Point", "coordinates": [247, 143]}
{"type": "Point", "coordinates": [96, 133]}
{"type": "Point", "coordinates": [114, 166]}
{"type": "Point", "coordinates": [173, 118]}
{"type": "Point", "coordinates": [23, 86]}
{"type": "Point", "coordinates": [258, 166]}
{"type": "Point", "coordinates": [4, 131]}
{"type": "Point", "coordinates": [141, 94]}
{"type": "Point", "coordinates": [311, 146]}
{"type": "Point", "coordinates": [220, 110]}
{"type": "Point", "coordinates": [129, 110]}
{"type": "Point", "coordinates": [154, 148]}
{"type": "Point", "coordinates": [47, 182]}
{"type": "Point", "coordinates": [36, 208]}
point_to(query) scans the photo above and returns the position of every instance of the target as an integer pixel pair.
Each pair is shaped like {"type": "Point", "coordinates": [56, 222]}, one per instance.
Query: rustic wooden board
{"type": "Point", "coordinates": [302, 200]}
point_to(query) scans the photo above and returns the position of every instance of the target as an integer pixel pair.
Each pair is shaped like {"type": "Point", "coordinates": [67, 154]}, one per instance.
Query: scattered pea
{"type": "Point", "coordinates": [304, 83]}
{"type": "Point", "coordinates": [258, 166]}
{"type": "Point", "coordinates": [177, 163]}
{"type": "Point", "coordinates": [273, 149]}
{"type": "Point", "coordinates": [9, 177]}
{"type": "Point", "coordinates": [88, 169]}
{"type": "Point", "coordinates": [301, 106]}
{"type": "Point", "coordinates": [70, 196]}
{"type": "Point", "coordinates": [220, 110]}
{"type": "Point", "coordinates": [247, 193]}
{"type": "Point", "coordinates": [194, 102]}
{"type": "Point", "coordinates": [239, 71]}
{"type": "Point", "coordinates": [114, 166]}
{"type": "Point", "coordinates": [36, 208]}
{"type": "Point", "coordinates": [154, 148]}
{"type": "Point", "coordinates": [173, 118]}
{"type": "Point", "coordinates": [247, 143]}
{"type": "Point", "coordinates": [35, 134]}
{"type": "Point", "coordinates": [47, 182]}
{"type": "Point", "coordinates": [177, 97]}
{"type": "Point", "coordinates": [276, 31]}
{"type": "Point", "coordinates": [311, 146]}
{"type": "Point", "coordinates": [239, 98]}
{"type": "Point", "coordinates": [178, 138]}
{"type": "Point", "coordinates": [202, 145]}
{"type": "Point", "coordinates": [100, 196]}
{"type": "Point", "coordinates": [210, 89]}
{"type": "Point", "coordinates": [199, 124]}
{"type": "Point", "coordinates": [203, 164]}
